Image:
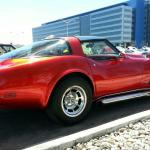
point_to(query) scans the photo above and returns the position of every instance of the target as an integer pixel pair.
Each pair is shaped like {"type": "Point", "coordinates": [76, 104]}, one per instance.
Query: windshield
{"type": "Point", "coordinates": [54, 47]}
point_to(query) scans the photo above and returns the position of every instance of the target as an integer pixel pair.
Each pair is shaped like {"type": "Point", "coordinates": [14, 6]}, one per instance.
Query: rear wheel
{"type": "Point", "coordinates": [70, 101]}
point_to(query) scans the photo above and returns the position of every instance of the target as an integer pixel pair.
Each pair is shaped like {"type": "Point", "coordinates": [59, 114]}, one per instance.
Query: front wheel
{"type": "Point", "coordinates": [71, 100]}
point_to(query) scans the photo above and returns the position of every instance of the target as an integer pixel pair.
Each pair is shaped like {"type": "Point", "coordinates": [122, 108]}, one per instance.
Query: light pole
{"type": "Point", "coordinates": [67, 24]}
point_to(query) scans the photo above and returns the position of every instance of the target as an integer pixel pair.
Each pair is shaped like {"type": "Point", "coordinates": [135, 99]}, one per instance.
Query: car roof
{"type": "Point", "coordinates": [86, 38]}
{"type": "Point", "coordinates": [81, 38]}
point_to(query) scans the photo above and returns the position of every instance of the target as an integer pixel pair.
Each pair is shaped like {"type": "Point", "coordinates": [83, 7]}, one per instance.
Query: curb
{"type": "Point", "coordinates": [84, 136]}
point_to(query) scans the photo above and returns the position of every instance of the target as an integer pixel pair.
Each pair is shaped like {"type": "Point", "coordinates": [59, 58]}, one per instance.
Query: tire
{"type": "Point", "coordinates": [70, 101]}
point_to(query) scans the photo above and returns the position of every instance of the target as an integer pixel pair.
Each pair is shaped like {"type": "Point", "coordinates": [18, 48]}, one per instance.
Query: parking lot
{"type": "Point", "coordinates": [24, 128]}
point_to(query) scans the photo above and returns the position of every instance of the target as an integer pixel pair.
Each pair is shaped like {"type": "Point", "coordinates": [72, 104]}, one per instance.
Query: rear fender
{"type": "Point", "coordinates": [57, 78]}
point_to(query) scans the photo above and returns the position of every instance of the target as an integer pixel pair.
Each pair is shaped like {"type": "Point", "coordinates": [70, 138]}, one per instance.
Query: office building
{"type": "Point", "coordinates": [124, 23]}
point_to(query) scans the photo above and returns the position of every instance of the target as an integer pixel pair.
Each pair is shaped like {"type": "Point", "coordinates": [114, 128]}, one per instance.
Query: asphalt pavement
{"type": "Point", "coordinates": [24, 128]}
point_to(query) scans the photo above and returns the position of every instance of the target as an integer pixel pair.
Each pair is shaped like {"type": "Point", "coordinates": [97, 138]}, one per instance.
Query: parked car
{"type": "Point", "coordinates": [145, 49]}
{"type": "Point", "coordinates": [133, 50]}
{"type": "Point", "coordinates": [132, 54]}
{"type": "Point", "coordinates": [63, 76]}
{"type": "Point", "coordinates": [4, 48]}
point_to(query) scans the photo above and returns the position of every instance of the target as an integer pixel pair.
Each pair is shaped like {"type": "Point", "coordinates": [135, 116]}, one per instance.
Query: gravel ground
{"type": "Point", "coordinates": [132, 137]}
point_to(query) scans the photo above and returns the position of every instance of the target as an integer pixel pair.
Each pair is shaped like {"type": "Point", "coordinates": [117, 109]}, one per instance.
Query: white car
{"type": "Point", "coordinates": [133, 50]}
{"type": "Point", "coordinates": [129, 50]}
{"type": "Point", "coordinates": [146, 49]}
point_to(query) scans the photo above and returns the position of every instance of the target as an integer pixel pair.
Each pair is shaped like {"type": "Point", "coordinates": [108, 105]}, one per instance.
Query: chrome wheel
{"type": "Point", "coordinates": [74, 101]}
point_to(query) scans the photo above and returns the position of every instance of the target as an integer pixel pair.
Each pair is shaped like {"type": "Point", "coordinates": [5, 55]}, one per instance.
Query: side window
{"type": "Point", "coordinates": [97, 48]}
{"type": "Point", "coordinates": [87, 48]}
{"type": "Point", "coordinates": [56, 47]}
{"type": "Point", "coordinates": [63, 49]}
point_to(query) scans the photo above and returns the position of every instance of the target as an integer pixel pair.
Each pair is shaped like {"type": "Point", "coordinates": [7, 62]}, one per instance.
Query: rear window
{"type": "Point", "coordinates": [47, 48]}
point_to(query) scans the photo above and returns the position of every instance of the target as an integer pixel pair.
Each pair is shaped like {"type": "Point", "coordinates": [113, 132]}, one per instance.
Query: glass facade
{"type": "Point", "coordinates": [113, 24]}
{"type": "Point", "coordinates": [147, 23]}
{"type": "Point", "coordinates": [58, 28]}
{"type": "Point", "coordinates": [120, 23]}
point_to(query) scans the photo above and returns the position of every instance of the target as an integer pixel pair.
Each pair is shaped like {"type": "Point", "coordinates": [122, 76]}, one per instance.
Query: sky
{"type": "Point", "coordinates": [18, 17]}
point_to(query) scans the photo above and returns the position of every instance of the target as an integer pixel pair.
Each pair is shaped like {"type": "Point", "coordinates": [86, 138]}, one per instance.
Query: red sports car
{"type": "Point", "coordinates": [65, 75]}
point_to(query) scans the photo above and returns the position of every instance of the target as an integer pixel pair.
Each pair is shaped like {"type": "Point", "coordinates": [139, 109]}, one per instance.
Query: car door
{"type": "Point", "coordinates": [146, 72]}
{"type": "Point", "coordinates": [112, 72]}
